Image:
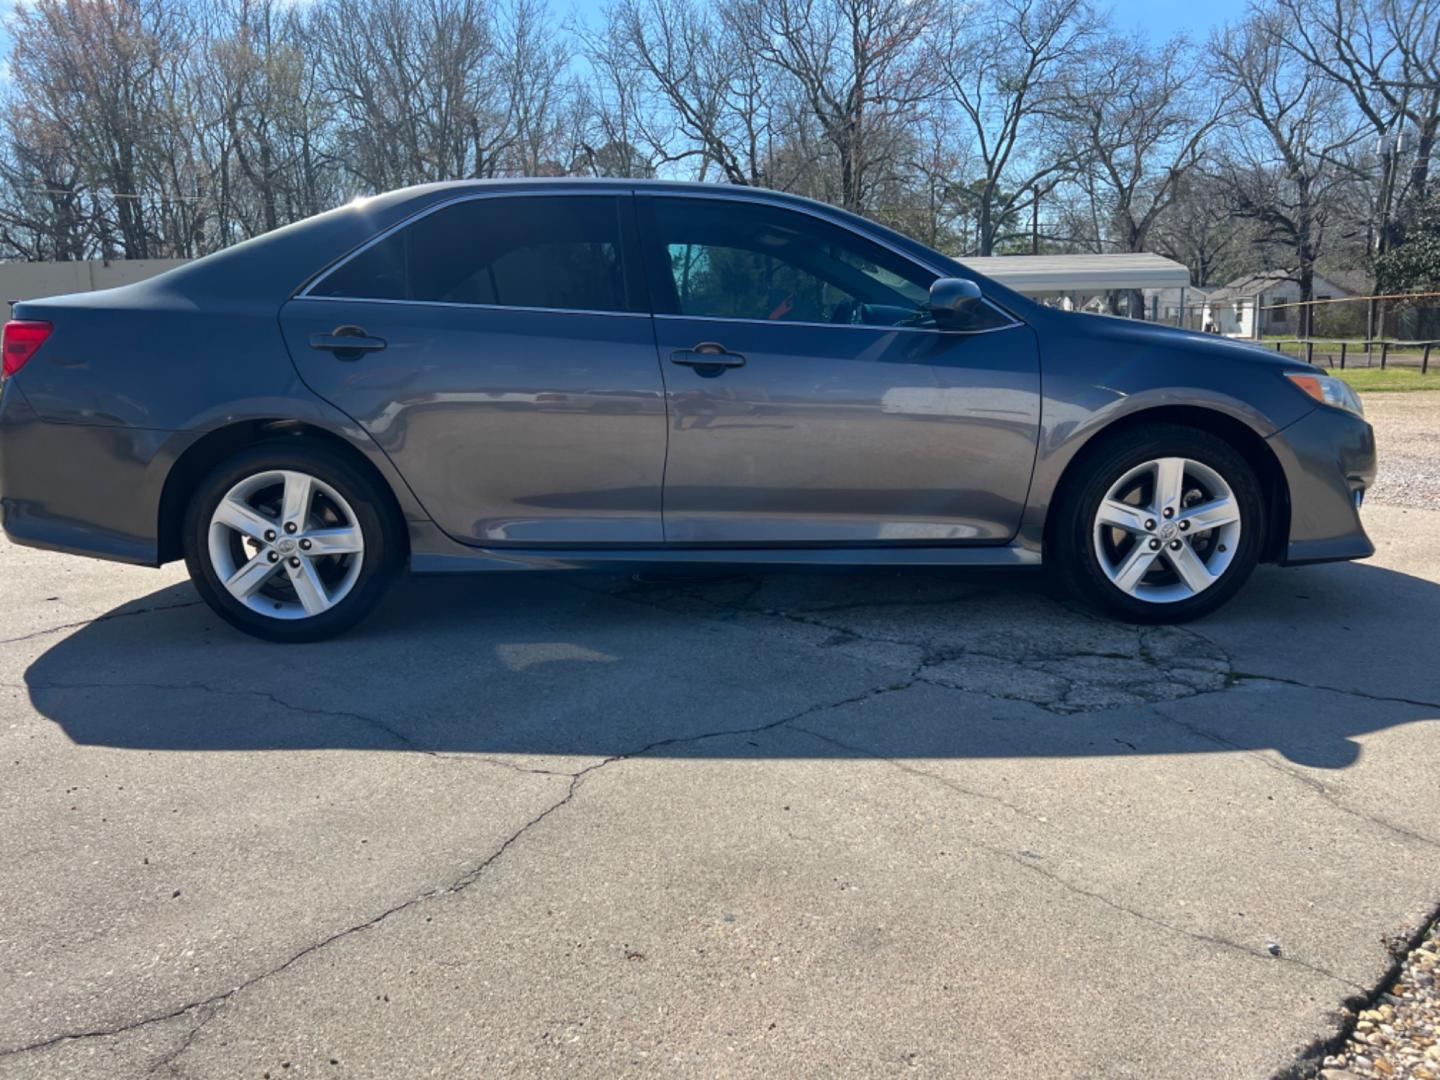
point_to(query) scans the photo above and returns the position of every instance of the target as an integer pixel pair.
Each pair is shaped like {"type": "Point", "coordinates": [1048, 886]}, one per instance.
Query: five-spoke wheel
{"type": "Point", "coordinates": [1167, 529]}
{"type": "Point", "coordinates": [1159, 524]}
{"type": "Point", "coordinates": [292, 541]}
{"type": "Point", "coordinates": [286, 544]}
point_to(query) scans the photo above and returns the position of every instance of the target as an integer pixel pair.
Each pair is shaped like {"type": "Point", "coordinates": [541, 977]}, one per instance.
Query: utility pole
{"type": "Point", "coordinates": [1388, 148]}
{"type": "Point", "coordinates": [1035, 222]}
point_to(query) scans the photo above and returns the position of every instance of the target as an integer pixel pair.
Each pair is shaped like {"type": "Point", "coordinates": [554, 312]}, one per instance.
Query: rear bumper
{"type": "Point", "coordinates": [1329, 461]}
{"type": "Point", "coordinates": [79, 488]}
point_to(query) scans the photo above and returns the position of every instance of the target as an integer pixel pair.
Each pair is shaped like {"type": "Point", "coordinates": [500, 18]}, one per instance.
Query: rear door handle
{"type": "Point", "coordinates": [347, 342]}
{"type": "Point", "coordinates": [707, 354]}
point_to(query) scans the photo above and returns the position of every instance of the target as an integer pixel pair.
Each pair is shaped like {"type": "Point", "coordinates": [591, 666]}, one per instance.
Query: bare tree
{"type": "Point", "coordinates": [105, 81]}
{"type": "Point", "coordinates": [856, 67]}
{"type": "Point", "coordinates": [1199, 230]}
{"type": "Point", "coordinates": [927, 196]}
{"type": "Point", "coordinates": [1385, 54]}
{"type": "Point", "coordinates": [1004, 76]}
{"type": "Point", "coordinates": [1287, 165]}
{"type": "Point", "coordinates": [614, 127]}
{"type": "Point", "coordinates": [268, 114]}
{"type": "Point", "coordinates": [532, 64]}
{"type": "Point", "coordinates": [44, 213]}
{"type": "Point", "coordinates": [712, 98]}
{"type": "Point", "coordinates": [416, 87]}
{"type": "Point", "coordinates": [1136, 120]}
{"type": "Point", "coordinates": [139, 128]}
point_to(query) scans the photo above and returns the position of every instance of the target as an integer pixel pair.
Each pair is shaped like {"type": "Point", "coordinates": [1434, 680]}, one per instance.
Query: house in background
{"type": "Point", "coordinates": [1234, 308]}
{"type": "Point", "coordinates": [1177, 306]}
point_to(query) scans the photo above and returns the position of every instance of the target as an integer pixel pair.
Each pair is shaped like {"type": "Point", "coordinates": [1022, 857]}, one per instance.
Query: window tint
{"type": "Point", "coordinates": [729, 259]}
{"type": "Point", "coordinates": [540, 252]}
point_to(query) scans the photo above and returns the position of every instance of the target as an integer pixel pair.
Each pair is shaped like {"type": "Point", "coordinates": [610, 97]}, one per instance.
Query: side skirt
{"type": "Point", "coordinates": [483, 560]}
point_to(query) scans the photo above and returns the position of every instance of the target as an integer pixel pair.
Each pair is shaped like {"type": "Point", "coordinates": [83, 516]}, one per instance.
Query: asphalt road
{"type": "Point", "coordinates": [774, 826]}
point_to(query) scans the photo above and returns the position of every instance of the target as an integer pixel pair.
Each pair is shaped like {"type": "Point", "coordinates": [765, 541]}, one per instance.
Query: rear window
{"type": "Point", "coordinates": [530, 252]}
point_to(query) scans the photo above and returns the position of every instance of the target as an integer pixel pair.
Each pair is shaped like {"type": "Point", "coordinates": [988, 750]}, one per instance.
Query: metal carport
{"type": "Point", "coordinates": [1032, 274]}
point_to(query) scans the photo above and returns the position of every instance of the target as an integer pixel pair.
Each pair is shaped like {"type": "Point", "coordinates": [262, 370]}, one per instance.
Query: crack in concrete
{"type": "Point", "coordinates": [1315, 785]}
{"type": "Point", "coordinates": [455, 886]}
{"type": "Point", "coordinates": [1186, 679]}
{"type": "Point", "coordinates": [464, 881]}
{"type": "Point", "coordinates": [1214, 677]}
{"type": "Point", "coordinates": [107, 617]}
{"type": "Point", "coordinates": [1028, 661]}
{"type": "Point", "coordinates": [168, 1061]}
{"type": "Point", "coordinates": [404, 741]}
{"type": "Point", "coordinates": [1065, 883]}
{"type": "Point", "coordinates": [1249, 676]}
{"type": "Point", "coordinates": [211, 1005]}
{"type": "Point", "coordinates": [1419, 703]}
{"type": "Point", "coordinates": [1061, 681]}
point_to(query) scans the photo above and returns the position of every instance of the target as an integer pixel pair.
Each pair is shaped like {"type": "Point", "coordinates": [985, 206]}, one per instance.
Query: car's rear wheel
{"type": "Point", "coordinates": [1161, 524]}
{"type": "Point", "coordinates": [289, 541]}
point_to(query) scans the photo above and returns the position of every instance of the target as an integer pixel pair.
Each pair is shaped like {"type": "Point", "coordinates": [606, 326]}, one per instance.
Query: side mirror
{"type": "Point", "coordinates": [950, 297]}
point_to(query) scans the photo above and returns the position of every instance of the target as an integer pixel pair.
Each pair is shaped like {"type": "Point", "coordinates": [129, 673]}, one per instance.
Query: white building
{"type": "Point", "coordinates": [1177, 306]}
{"type": "Point", "coordinates": [1233, 309]}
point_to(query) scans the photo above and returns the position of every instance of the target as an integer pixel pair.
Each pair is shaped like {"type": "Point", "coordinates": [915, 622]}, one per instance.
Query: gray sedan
{"type": "Point", "coordinates": [523, 375]}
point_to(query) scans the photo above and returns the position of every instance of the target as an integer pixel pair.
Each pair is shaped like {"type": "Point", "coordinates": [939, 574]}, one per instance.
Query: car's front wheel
{"type": "Point", "coordinates": [1162, 524]}
{"type": "Point", "coordinates": [289, 541]}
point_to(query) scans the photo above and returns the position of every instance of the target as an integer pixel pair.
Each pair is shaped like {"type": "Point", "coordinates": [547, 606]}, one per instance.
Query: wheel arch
{"type": "Point", "coordinates": [1237, 433]}
{"type": "Point", "coordinates": [220, 443]}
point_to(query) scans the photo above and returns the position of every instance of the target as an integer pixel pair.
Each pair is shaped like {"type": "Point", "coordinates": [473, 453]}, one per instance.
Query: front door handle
{"type": "Point", "coordinates": [707, 354]}
{"type": "Point", "coordinates": [347, 343]}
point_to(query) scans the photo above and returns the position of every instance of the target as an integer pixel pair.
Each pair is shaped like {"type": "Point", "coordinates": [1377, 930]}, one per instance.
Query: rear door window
{"type": "Point", "coordinates": [559, 253]}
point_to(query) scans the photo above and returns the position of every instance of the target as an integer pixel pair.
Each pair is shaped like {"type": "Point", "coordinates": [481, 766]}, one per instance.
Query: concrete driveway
{"type": "Point", "coordinates": [767, 826]}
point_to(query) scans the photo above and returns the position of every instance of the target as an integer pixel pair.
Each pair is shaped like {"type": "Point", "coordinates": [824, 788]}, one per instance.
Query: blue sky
{"type": "Point", "coordinates": [1163, 19]}
{"type": "Point", "coordinates": [1159, 20]}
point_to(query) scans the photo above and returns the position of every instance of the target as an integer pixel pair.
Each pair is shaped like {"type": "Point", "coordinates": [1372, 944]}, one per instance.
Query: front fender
{"type": "Point", "coordinates": [1099, 381]}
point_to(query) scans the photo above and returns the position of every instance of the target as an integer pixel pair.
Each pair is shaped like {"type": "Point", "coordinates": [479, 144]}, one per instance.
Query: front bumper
{"type": "Point", "coordinates": [1328, 457]}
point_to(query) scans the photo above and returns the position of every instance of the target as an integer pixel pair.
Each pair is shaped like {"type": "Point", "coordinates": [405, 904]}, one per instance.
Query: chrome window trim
{"type": "Point", "coordinates": [759, 196]}
{"type": "Point", "coordinates": [470, 307]}
{"type": "Point", "coordinates": [877, 327]}
{"type": "Point", "coordinates": [610, 191]}
{"type": "Point", "coordinates": [752, 196]}
{"type": "Point", "coordinates": [880, 328]}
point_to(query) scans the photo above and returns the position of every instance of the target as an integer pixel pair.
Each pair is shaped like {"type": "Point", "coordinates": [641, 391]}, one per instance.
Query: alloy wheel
{"type": "Point", "coordinates": [1167, 530]}
{"type": "Point", "coordinates": [286, 544]}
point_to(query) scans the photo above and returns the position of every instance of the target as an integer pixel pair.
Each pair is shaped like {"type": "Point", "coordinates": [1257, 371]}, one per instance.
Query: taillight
{"type": "Point", "coordinates": [22, 338]}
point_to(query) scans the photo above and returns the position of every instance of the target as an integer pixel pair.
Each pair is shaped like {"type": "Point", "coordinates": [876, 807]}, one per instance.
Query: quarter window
{"type": "Point", "coordinates": [536, 252]}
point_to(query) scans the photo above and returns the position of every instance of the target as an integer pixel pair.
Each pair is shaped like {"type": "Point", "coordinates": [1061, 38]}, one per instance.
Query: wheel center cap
{"type": "Point", "coordinates": [285, 546]}
{"type": "Point", "coordinates": [1168, 531]}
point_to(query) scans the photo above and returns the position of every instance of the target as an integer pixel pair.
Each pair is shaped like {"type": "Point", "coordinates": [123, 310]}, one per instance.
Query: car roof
{"type": "Point", "coordinates": [604, 183]}
{"type": "Point", "coordinates": [275, 265]}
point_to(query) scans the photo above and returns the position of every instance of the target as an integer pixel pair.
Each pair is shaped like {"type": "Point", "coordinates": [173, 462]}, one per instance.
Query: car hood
{"type": "Point", "coordinates": [1136, 333]}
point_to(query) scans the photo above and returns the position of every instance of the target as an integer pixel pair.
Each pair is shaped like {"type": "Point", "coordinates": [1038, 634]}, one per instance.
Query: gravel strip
{"type": "Point", "coordinates": [1398, 1038]}
{"type": "Point", "coordinates": [1407, 430]}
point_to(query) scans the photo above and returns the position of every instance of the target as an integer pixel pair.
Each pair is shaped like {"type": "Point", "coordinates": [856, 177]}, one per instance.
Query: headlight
{"type": "Point", "coordinates": [1328, 390]}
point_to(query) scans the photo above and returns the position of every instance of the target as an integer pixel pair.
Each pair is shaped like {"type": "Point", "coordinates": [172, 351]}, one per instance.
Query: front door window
{"type": "Point", "coordinates": [730, 260]}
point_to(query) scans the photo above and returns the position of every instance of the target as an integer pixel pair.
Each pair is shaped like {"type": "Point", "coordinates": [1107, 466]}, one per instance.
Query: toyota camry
{"type": "Point", "coordinates": [590, 374]}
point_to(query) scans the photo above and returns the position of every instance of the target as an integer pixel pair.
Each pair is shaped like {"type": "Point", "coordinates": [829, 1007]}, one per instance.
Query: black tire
{"type": "Point", "coordinates": [380, 523]}
{"type": "Point", "coordinates": [1070, 539]}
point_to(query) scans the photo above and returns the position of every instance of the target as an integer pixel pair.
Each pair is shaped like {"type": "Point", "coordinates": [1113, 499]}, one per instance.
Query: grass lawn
{"type": "Point", "coordinates": [1371, 380]}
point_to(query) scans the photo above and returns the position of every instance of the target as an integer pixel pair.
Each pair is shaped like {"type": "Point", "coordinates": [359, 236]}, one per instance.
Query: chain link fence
{"type": "Point", "coordinates": [1400, 330]}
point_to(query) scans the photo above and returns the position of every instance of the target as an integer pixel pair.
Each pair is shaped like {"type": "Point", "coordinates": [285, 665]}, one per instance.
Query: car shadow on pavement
{"type": "Point", "coordinates": [898, 666]}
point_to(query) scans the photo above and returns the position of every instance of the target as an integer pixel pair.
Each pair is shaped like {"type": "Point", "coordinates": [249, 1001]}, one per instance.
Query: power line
{"type": "Point", "coordinates": [119, 194]}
